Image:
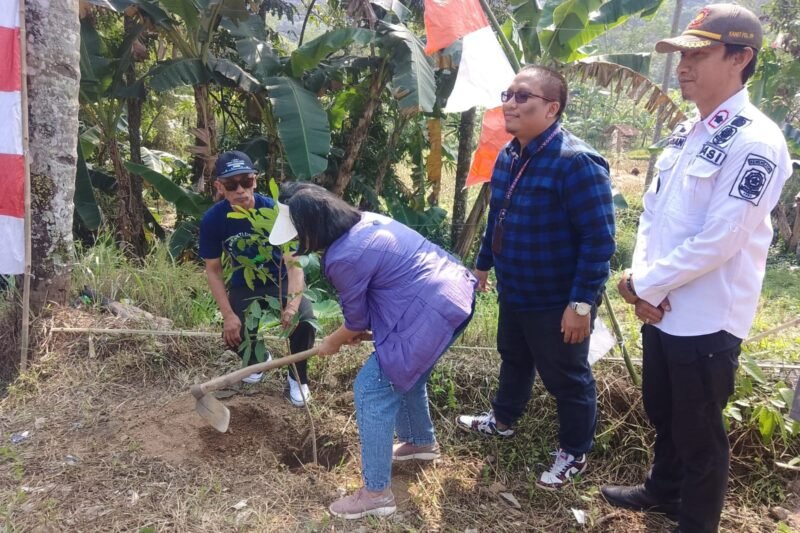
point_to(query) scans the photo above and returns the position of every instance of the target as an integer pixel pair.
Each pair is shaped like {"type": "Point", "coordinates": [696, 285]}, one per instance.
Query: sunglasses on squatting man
{"type": "Point", "coordinates": [232, 184]}
{"type": "Point", "coordinates": [521, 97]}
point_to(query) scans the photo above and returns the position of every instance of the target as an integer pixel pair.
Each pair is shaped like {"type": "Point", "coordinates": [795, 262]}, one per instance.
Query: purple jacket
{"type": "Point", "coordinates": [412, 294]}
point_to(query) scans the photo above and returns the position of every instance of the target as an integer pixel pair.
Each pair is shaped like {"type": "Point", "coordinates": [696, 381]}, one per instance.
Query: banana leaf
{"type": "Point", "coordinates": [184, 236]}
{"type": "Point", "coordinates": [413, 83]}
{"type": "Point", "coordinates": [174, 73]}
{"type": "Point", "coordinates": [186, 202]}
{"type": "Point", "coordinates": [85, 202]}
{"type": "Point", "coordinates": [302, 126]}
{"type": "Point", "coordinates": [259, 57]}
{"type": "Point", "coordinates": [234, 74]}
{"type": "Point", "coordinates": [565, 27]}
{"type": "Point", "coordinates": [310, 54]}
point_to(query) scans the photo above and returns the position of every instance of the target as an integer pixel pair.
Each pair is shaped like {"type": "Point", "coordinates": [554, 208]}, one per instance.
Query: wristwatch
{"type": "Point", "coordinates": [581, 308]}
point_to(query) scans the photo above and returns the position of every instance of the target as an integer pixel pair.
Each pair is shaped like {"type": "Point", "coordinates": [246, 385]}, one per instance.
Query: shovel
{"type": "Point", "coordinates": [213, 410]}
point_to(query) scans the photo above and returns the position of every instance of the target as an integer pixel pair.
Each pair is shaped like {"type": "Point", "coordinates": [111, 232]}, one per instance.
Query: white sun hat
{"type": "Point", "coordinates": [283, 231]}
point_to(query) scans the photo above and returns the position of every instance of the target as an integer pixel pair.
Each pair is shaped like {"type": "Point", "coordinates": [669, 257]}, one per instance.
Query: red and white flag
{"type": "Point", "coordinates": [12, 161]}
{"type": "Point", "coordinates": [483, 73]}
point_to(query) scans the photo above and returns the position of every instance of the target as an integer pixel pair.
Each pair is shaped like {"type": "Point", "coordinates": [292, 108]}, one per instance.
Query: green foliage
{"type": "Point", "coordinates": [413, 82]}
{"type": "Point", "coordinates": [85, 202]}
{"type": "Point", "coordinates": [263, 315]}
{"type": "Point", "coordinates": [156, 284]}
{"type": "Point", "coordinates": [302, 126]}
{"type": "Point", "coordinates": [311, 53]}
{"type": "Point", "coordinates": [762, 404]}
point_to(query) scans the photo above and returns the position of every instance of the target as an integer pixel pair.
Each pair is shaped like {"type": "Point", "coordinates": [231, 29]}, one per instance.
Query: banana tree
{"type": "Point", "coordinates": [389, 56]}
{"type": "Point", "coordinates": [103, 103]}
{"type": "Point", "coordinates": [190, 26]}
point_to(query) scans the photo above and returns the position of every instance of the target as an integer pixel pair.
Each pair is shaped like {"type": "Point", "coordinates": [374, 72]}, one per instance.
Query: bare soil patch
{"type": "Point", "coordinates": [114, 444]}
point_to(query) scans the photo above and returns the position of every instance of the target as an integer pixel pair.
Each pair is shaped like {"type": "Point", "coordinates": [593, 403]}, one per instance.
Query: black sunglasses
{"type": "Point", "coordinates": [521, 97]}
{"type": "Point", "coordinates": [231, 184]}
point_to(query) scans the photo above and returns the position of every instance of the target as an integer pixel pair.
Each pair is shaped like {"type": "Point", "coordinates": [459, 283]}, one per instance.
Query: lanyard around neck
{"type": "Point", "coordinates": [510, 191]}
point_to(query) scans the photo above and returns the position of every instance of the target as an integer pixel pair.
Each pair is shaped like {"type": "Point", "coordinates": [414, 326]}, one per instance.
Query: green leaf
{"type": "Point", "coordinates": [85, 202]}
{"type": "Point", "coordinates": [413, 82]}
{"type": "Point", "coordinates": [766, 424]}
{"type": "Point", "coordinates": [302, 126]}
{"type": "Point", "coordinates": [185, 9]}
{"type": "Point", "coordinates": [565, 27]}
{"type": "Point", "coordinates": [327, 309]}
{"type": "Point", "coordinates": [186, 202]}
{"type": "Point", "coordinates": [636, 62]}
{"type": "Point", "coordinates": [175, 73]}
{"type": "Point", "coordinates": [273, 191]}
{"type": "Point", "coordinates": [148, 9]}
{"type": "Point", "coordinates": [619, 199]}
{"type": "Point", "coordinates": [787, 395]}
{"type": "Point", "coordinates": [259, 57]}
{"type": "Point", "coordinates": [253, 27]}
{"type": "Point", "coordinates": [734, 413]}
{"type": "Point", "coordinates": [527, 13]}
{"type": "Point", "coordinates": [260, 351]}
{"type": "Point", "coordinates": [311, 53]}
{"type": "Point", "coordinates": [95, 67]}
{"type": "Point", "coordinates": [184, 236]}
{"type": "Point", "coordinates": [752, 369]}
{"type": "Point", "coordinates": [234, 74]}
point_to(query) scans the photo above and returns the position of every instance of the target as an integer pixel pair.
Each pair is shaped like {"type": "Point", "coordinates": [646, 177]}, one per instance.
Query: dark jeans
{"type": "Point", "coordinates": [686, 382]}
{"type": "Point", "coordinates": [301, 339]}
{"type": "Point", "coordinates": [531, 342]}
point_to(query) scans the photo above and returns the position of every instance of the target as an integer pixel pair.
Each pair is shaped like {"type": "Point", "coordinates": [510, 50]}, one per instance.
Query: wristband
{"type": "Point", "coordinates": [629, 284]}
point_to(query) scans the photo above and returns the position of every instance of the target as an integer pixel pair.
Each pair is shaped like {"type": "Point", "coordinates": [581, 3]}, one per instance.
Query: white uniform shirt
{"type": "Point", "coordinates": [705, 231]}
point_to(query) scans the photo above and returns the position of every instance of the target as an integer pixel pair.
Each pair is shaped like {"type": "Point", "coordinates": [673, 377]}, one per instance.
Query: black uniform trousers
{"type": "Point", "coordinates": [686, 382]}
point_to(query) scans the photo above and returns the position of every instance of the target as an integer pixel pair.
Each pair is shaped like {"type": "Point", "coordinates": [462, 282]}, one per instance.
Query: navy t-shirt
{"type": "Point", "coordinates": [218, 232]}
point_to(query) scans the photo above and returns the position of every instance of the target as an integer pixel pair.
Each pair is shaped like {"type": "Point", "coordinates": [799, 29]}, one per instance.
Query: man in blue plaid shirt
{"type": "Point", "coordinates": [549, 237]}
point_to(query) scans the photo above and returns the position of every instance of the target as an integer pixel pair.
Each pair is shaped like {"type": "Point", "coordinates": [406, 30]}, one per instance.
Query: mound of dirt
{"type": "Point", "coordinates": [262, 425]}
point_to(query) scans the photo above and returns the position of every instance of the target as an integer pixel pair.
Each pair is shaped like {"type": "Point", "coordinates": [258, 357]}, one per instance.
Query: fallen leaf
{"type": "Point", "coordinates": [510, 498]}
{"type": "Point", "coordinates": [240, 505]}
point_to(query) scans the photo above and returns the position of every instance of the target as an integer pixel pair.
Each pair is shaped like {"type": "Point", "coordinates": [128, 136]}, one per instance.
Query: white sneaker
{"type": "Point", "coordinates": [255, 377]}
{"type": "Point", "coordinates": [295, 395]}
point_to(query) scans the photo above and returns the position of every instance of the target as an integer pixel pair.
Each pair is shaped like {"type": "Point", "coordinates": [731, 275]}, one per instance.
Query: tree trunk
{"type": "Point", "coordinates": [676, 17]}
{"type": "Point", "coordinates": [205, 148]}
{"type": "Point", "coordinates": [466, 137]}
{"type": "Point", "coordinates": [385, 163]}
{"type": "Point", "coordinates": [434, 164]}
{"type": "Point", "coordinates": [471, 226]}
{"type": "Point", "coordinates": [130, 185]}
{"type": "Point", "coordinates": [359, 133]}
{"type": "Point", "coordinates": [53, 81]}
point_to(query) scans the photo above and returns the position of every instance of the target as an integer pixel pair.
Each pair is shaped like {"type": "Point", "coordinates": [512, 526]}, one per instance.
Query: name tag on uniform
{"type": "Point", "coordinates": [712, 154]}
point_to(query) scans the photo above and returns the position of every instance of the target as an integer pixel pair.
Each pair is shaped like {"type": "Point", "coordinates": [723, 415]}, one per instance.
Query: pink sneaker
{"type": "Point", "coordinates": [362, 503]}
{"type": "Point", "coordinates": [405, 451]}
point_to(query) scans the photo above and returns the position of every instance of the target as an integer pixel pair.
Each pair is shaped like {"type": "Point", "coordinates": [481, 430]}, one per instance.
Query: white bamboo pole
{"type": "Point", "coordinates": [26, 284]}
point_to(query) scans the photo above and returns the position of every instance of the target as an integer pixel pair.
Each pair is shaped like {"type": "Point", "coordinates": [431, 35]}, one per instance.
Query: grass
{"type": "Point", "coordinates": [147, 463]}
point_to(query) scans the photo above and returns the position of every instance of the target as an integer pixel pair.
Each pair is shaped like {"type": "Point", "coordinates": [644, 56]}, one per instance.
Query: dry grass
{"type": "Point", "coordinates": [115, 446]}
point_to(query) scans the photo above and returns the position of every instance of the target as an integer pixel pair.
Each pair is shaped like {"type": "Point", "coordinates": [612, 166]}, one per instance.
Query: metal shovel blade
{"type": "Point", "coordinates": [214, 412]}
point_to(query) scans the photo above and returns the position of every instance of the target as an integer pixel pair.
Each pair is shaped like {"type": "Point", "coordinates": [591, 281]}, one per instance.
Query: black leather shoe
{"type": "Point", "coordinates": [637, 498]}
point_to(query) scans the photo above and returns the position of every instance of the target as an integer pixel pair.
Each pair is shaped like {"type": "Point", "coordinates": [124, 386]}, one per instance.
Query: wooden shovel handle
{"type": "Point", "coordinates": [200, 390]}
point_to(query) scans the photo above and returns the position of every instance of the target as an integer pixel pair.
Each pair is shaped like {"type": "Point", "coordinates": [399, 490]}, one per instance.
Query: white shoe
{"type": "Point", "coordinates": [255, 377]}
{"type": "Point", "coordinates": [295, 395]}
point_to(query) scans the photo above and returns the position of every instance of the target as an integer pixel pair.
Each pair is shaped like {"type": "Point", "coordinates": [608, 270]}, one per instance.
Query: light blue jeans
{"type": "Point", "coordinates": [382, 411]}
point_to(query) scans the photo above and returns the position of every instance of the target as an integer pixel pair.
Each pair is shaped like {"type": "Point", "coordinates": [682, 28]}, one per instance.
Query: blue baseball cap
{"type": "Point", "coordinates": [233, 163]}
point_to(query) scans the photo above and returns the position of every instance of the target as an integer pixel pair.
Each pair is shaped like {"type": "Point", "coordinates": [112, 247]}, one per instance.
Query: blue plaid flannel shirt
{"type": "Point", "coordinates": [558, 234]}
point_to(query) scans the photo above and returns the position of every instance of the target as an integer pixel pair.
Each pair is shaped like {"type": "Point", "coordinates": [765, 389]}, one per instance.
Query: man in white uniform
{"type": "Point", "coordinates": [698, 265]}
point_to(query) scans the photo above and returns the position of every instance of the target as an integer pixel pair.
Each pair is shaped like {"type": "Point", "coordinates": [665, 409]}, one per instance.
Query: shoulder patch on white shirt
{"type": "Point", "coordinates": [753, 178]}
